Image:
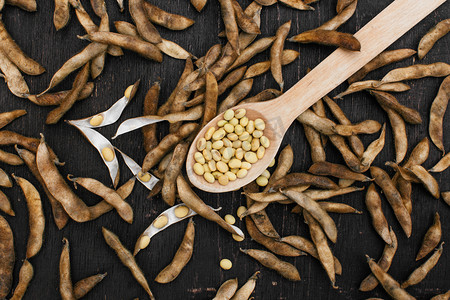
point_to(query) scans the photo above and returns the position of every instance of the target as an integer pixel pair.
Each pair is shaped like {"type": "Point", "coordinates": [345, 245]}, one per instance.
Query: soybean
{"type": "Point", "coordinates": [379, 222]}
{"type": "Point", "coordinates": [231, 27]}
{"type": "Point", "coordinates": [26, 273]}
{"type": "Point", "coordinates": [345, 10]}
{"type": "Point", "coordinates": [438, 69]}
{"type": "Point", "coordinates": [431, 239]}
{"type": "Point", "coordinates": [227, 290]}
{"type": "Point", "coordinates": [84, 286]}
{"type": "Point", "coordinates": [165, 19]}
{"type": "Point", "coordinates": [5, 205]}
{"type": "Point", "coordinates": [14, 79]}
{"type": "Point", "coordinates": [5, 181]}
{"type": "Point", "coordinates": [387, 100]}
{"type": "Point", "coordinates": [437, 112]}
{"type": "Point", "coordinates": [65, 280]}
{"type": "Point", "coordinates": [276, 53]}
{"type": "Point", "coordinates": [336, 170]}
{"type": "Point", "coordinates": [297, 4]}
{"type": "Point", "coordinates": [373, 150]}
{"type": "Point", "coordinates": [49, 99]}
{"type": "Point", "coordinates": [369, 85]}
{"type": "Point", "coordinates": [399, 132]}
{"type": "Point", "coordinates": [247, 289]}
{"type": "Point", "coordinates": [287, 57]}
{"type": "Point", "coordinates": [427, 180]}
{"type": "Point", "coordinates": [173, 169]}
{"type": "Point", "coordinates": [293, 179]}
{"type": "Point", "coordinates": [249, 52]}
{"type": "Point", "coordinates": [442, 165]}
{"type": "Point", "coordinates": [151, 108]}
{"type": "Point", "coordinates": [8, 117]}
{"type": "Point", "coordinates": [432, 36]}
{"type": "Point", "coordinates": [329, 38]}
{"type": "Point", "coordinates": [7, 257]}
{"type": "Point", "coordinates": [270, 261]}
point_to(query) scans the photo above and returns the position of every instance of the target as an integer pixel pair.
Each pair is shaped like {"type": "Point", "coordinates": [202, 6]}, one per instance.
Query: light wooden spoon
{"type": "Point", "coordinates": [389, 25]}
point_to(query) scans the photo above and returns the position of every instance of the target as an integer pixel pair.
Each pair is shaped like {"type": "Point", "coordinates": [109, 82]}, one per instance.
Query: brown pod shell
{"type": "Point", "coordinates": [431, 238]}
{"type": "Point", "coordinates": [7, 258]}
{"type": "Point", "coordinates": [329, 38]}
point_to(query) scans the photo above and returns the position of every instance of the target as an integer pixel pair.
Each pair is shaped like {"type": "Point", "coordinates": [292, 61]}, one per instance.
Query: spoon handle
{"type": "Point", "coordinates": [383, 30]}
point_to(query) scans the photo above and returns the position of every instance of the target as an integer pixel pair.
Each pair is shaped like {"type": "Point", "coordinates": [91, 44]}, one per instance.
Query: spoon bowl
{"type": "Point", "coordinates": [389, 25]}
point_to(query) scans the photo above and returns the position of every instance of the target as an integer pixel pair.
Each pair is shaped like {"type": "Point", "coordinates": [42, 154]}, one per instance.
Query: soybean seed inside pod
{"type": "Point", "coordinates": [227, 153]}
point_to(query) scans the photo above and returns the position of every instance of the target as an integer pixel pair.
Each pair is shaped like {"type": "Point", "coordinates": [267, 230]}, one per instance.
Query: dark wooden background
{"type": "Point", "coordinates": [35, 33]}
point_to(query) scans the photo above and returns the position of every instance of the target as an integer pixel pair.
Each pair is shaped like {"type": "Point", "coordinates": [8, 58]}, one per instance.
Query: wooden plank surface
{"type": "Point", "coordinates": [35, 33]}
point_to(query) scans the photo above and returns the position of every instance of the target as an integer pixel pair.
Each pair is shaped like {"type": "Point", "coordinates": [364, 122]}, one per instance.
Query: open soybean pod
{"type": "Point", "coordinates": [111, 115]}
{"type": "Point", "coordinates": [147, 179]}
{"type": "Point", "coordinates": [104, 148]}
{"type": "Point", "coordinates": [167, 218]}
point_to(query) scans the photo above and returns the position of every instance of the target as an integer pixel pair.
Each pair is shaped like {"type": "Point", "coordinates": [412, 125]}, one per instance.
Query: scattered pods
{"type": "Point", "coordinates": [421, 272]}
{"type": "Point", "coordinates": [371, 282]}
{"type": "Point", "coordinates": [26, 273]}
{"type": "Point", "coordinates": [431, 239]}
{"type": "Point", "coordinates": [329, 38]}
{"type": "Point", "coordinates": [7, 257]}
{"type": "Point", "coordinates": [270, 261]}
{"type": "Point", "coordinates": [437, 112]}
{"type": "Point", "coordinates": [249, 52]}
{"type": "Point", "coordinates": [111, 115]}
{"type": "Point", "coordinates": [127, 259]}
{"type": "Point", "coordinates": [432, 36]}
{"type": "Point", "coordinates": [35, 216]}
{"type": "Point", "coordinates": [181, 258]}
{"type": "Point", "coordinates": [391, 286]}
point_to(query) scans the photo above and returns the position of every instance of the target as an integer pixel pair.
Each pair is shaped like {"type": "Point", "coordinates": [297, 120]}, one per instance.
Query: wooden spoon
{"type": "Point", "coordinates": [390, 24]}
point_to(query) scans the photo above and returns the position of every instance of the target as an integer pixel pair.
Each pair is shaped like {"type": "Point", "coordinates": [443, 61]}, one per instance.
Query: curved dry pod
{"type": "Point", "coordinates": [25, 275]}
{"type": "Point", "coordinates": [104, 148]}
{"type": "Point", "coordinates": [426, 179]}
{"type": "Point", "coordinates": [8, 117]}
{"type": "Point", "coordinates": [444, 296]}
{"type": "Point", "coordinates": [174, 50]}
{"type": "Point", "coordinates": [432, 36]}
{"type": "Point", "coordinates": [111, 115]}
{"type": "Point", "coordinates": [120, 3]}
{"type": "Point", "coordinates": [442, 165]}
{"type": "Point", "coordinates": [166, 19]}
{"type": "Point", "coordinates": [431, 239]}
{"type": "Point", "coordinates": [7, 257]}
{"type": "Point", "coordinates": [227, 290]}
{"type": "Point", "coordinates": [61, 15]}
{"type": "Point", "coordinates": [56, 98]}
{"type": "Point", "coordinates": [364, 127]}
{"type": "Point", "coordinates": [5, 181]}
{"type": "Point", "coordinates": [135, 123]}
{"type": "Point", "coordinates": [249, 52]}
{"type": "Point", "coordinates": [438, 69]}
{"type": "Point", "coordinates": [328, 38]}
{"type": "Point", "coordinates": [143, 24]}
{"type": "Point", "coordinates": [336, 170]}
{"type": "Point", "coordinates": [173, 215]}
{"type": "Point", "coordinates": [410, 115]}
{"type": "Point", "coordinates": [35, 216]}
{"type": "Point", "coordinates": [10, 159]}
{"type": "Point", "coordinates": [297, 4]}
{"type": "Point", "coordinates": [373, 150]}
{"type": "Point", "coordinates": [399, 132]}
{"type": "Point", "coordinates": [370, 84]}
{"type": "Point", "coordinates": [437, 112]}
{"type": "Point", "coordinates": [5, 205]}
{"type": "Point", "coordinates": [148, 181]}
{"type": "Point", "coordinates": [344, 13]}
{"type": "Point", "coordinates": [85, 285]}
{"type": "Point", "coordinates": [379, 222]}
{"type": "Point", "coordinates": [247, 289]}
{"type": "Point", "coordinates": [14, 79]}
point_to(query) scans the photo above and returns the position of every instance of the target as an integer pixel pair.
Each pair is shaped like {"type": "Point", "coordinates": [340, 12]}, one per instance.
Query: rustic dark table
{"type": "Point", "coordinates": [35, 33]}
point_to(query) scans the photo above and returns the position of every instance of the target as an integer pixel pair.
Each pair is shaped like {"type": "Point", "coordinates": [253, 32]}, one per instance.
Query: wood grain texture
{"type": "Point", "coordinates": [35, 33]}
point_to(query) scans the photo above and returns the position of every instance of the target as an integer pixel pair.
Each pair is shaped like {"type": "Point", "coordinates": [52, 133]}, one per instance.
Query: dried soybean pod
{"type": "Point", "coordinates": [382, 59]}
{"type": "Point", "coordinates": [371, 282]}
{"type": "Point", "coordinates": [432, 36]}
{"type": "Point", "coordinates": [265, 95]}
{"type": "Point", "coordinates": [275, 196]}
{"type": "Point", "coordinates": [259, 217]}
{"type": "Point", "coordinates": [151, 108]}
{"type": "Point", "coordinates": [59, 214]}
{"type": "Point", "coordinates": [419, 154]}
{"type": "Point", "coordinates": [271, 244]}
{"type": "Point", "coordinates": [394, 198]}
{"type": "Point", "coordinates": [266, 2]}
{"type": "Point", "coordinates": [8, 117]}
{"type": "Point", "coordinates": [5, 181]}
{"type": "Point", "coordinates": [25, 275]}
{"type": "Point", "coordinates": [16, 55]}
{"type": "Point", "coordinates": [316, 211]}
{"type": "Point", "coordinates": [132, 43]}
{"type": "Point", "coordinates": [57, 186]}
{"type": "Point", "coordinates": [65, 280]}
{"type": "Point", "coordinates": [10, 159]}
{"type": "Point", "coordinates": [329, 38]}
{"type": "Point", "coordinates": [5, 205]}
{"type": "Point", "coordinates": [28, 5]}
{"type": "Point", "coordinates": [270, 261]}
{"type": "Point", "coordinates": [168, 191]}
{"type": "Point", "coordinates": [211, 94]}
{"type": "Point", "coordinates": [76, 62]}
{"type": "Point", "coordinates": [181, 258]}
{"type": "Point", "coordinates": [323, 125]}
{"type": "Point", "coordinates": [12, 138]}
{"type": "Point", "coordinates": [190, 198]}
{"type": "Point", "coordinates": [210, 57]}
{"type": "Point", "coordinates": [340, 208]}
{"type": "Point", "coordinates": [442, 165]}
{"type": "Point", "coordinates": [244, 21]}
{"type": "Point", "coordinates": [83, 17]}
{"type": "Point", "coordinates": [344, 12]}
{"type": "Point", "coordinates": [238, 93]}
{"type": "Point", "coordinates": [199, 4]}
{"type": "Point", "coordinates": [369, 85]}
{"type": "Point", "coordinates": [410, 115]}
{"type": "Point", "coordinates": [84, 286]}
{"type": "Point", "coordinates": [55, 115]}
{"type": "Point", "coordinates": [231, 27]}
{"type": "Point", "coordinates": [293, 179]}
{"type": "Point", "coordinates": [36, 217]}
{"type": "Point", "coordinates": [165, 19]}
{"type": "Point", "coordinates": [405, 189]}
{"type": "Point", "coordinates": [127, 259]}
{"type": "Point", "coordinates": [399, 132]}
{"type": "Point", "coordinates": [326, 194]}
{"type": "Point", "coordinates": [276, 53]}
{"type": "Point", "coordinates": [252, 50]}
{"type": "Point", "coordinates": [7, 257]}
{"type": "Point", "coordinates": [336, 170]}
{"type": "Point", "coordinates": [373, 150]}
{"type": "Point", "coordinates": [390, 285]}
{"type": "Point", "coordinates": [99, 7]}
{"type": "Point", "coordinates": [109, 195]}
{"type": "Point", "coordinates": [143, 24]}
{"type": "Point", "coordinates": [227, 290]}
{"type": "Point", "coordinates": [379, 222]}
{"type": "Point", "coordinates": [172, 49]}
{"type": "Point", "coordinates": [426, 179]}
{"type": "Point", "coordinates": [355, 143]}
{"type": "Point", "coordinates": [61, 14]}
{"type": "Point", "coordinates": [288, 56]}
{"type": "Point", "coordinates": [315, 144]}
{"type": "Point", "coordinates": [364, 127]}
{"type": "Point", "coordinates": [320, 241]}
{"type": "Point", "coordinates": [247, 289]}
{"type": "Point", "coordinates": [431, 239]}
{"type": "Point", "coordinates": [421, 272]}
{"type": "Point", "coordinates": [437, 112]}
{"type": "Point", "coordinates": [297, 4]}
{"type": "Point", "coordinates": [167, 144]}
{"type": "Point", "coordinates": [446, 197]}
{"type": "Point", "coordinates": [438, 69]}
{"type": "Point", "coordinates": [231, 79]}
{"type": "Point", "coordinates": [14, 79]}
{"type": "Point", "coordinates": [49, 99]}
{"type": "Point", "coordinates": [445, 296]}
